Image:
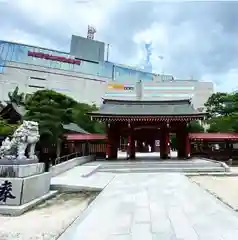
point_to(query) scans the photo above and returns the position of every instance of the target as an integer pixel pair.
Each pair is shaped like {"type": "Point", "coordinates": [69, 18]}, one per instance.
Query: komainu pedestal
{"type": "Point", "coordinates": [20, 184]}
{"type": "Point", "coordinates": [22, 177]}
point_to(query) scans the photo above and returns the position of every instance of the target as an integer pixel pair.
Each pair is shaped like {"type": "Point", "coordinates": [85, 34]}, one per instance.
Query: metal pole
{"type": "Point", "coordinates": [107, 52]}
{"type": "Point", "coordinates": [162, 68]}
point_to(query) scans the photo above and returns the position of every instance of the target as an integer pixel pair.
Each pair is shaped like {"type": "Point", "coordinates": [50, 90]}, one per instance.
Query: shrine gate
{"type": "Point", "coordinates": [147, 121]}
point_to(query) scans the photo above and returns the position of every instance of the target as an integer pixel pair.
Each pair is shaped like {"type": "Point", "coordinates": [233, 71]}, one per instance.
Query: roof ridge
{"type": "Point", "coordinates": [106, 100]}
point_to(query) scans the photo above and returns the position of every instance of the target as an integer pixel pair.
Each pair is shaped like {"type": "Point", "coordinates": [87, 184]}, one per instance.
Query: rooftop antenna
{"type": "Point", "coordinates": [91, 32]}
{"type": "Point", "coordinates": [148, 49]}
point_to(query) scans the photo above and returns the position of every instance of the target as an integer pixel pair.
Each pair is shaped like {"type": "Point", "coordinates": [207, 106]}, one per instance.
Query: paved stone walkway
{"type": "Point", "coordinates": [164, 206]}
{"type": "Point", "coordinates": [73, 179]}
{"type": "Point", "coordinates": [218, 186]}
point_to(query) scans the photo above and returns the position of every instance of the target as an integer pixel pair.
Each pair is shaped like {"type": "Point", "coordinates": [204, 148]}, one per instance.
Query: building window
{"type": "Point", "coordinates": [37, 78]}
{"type": "Point", "coordinates": [35, 86]}
{"type": "Point", "coordinates": [119, 95]}
{"type": "Point", "coordinates": [168, 88]}
{"type": "Point", "coordinates": [169, 95]}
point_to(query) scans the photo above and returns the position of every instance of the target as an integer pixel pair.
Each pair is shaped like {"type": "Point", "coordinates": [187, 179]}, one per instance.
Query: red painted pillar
{"type": "Point", "coordinates": [109, 142]}
{"type": "Point", "coordinates": [165, 142]}
{"type": "Point", "coordinates": [179, 141]}
{"type": "Point", "coordinates": [115, 144]}
{"type": "Point", "coordinates": [129, 146]}
{"type": "Point", "coordinates": [161, 148]}
{"type": "Point", "coordinates": [131, 143]}
{"type": "Point", "coordinates": [132, 148]}
{"type": "Point", "coordinates": [187, 142]}
{"type": "Point", "coordinates": [183, 142]}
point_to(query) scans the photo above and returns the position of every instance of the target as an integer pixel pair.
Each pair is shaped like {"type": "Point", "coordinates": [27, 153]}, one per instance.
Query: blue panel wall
{"type": "Point", "coordinates": [1, 58]}
{"type": "Point", "coordinates": [123, 74]}
{"type": "Point", "coordinates": [19, 53]}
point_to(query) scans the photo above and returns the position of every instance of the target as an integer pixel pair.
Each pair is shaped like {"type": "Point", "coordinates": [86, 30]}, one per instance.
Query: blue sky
{"type": "Point", "coordinates": [196, 39]}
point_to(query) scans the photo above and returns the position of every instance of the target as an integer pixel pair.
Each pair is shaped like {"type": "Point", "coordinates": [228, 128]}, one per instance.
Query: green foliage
{"type": "Point", "coordinates": [81, 117]}
{"type": "Point", "coordinates": [221, 124]}
{"type": "Point", "coordinates": [196, 127]}
{"type": "Point", "coordinates": [16, 97]}
{"type": "Point", "coordinates": [7, 129]}
{"type": "Point", "coordinates": [51, 110]}
{"type": "Point", "coordinates": [222, 112]}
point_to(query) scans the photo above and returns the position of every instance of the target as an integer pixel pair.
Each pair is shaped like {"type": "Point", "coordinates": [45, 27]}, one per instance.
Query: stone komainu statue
{"type": "Point", "coordinates": [27, 135]}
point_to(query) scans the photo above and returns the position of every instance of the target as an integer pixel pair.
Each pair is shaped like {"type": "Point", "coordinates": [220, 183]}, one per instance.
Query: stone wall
{"type": "Point", "coordinates": [65, 166]}
{"type": "Point", "coordinates": [29, 78]}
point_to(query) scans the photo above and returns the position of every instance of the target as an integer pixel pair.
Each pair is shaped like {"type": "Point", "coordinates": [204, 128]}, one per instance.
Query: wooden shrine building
{"type": "Point", "coordinates": [148, 121]}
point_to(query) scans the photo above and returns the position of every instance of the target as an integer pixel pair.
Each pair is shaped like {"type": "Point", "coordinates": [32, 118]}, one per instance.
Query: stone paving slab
{"type": "Point", "coordinates": [154, 206]}
{"type": "Point", "coordinates": [80, 170]}
{"type": "Point", "coordinates": [218, 186]}
{"type": "Point", "coordinates": [75, 180]}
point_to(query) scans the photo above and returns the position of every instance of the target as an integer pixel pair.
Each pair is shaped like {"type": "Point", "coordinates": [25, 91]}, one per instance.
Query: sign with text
{"type": "Point", "coordinates": [6, 191]}
{"type": "Point", "coordinates": [116, 86]}
{"type": "Point", "coordinates": [53, 57]}
{"type": "Point", "coordinates": [157, 143]}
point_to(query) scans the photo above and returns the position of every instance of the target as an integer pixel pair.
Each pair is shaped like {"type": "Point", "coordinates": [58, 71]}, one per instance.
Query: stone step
{"type": "Point", "coordinates": [150, 170]}
{"type": "Point", "coordinates": [149, 162]}
{"type": "Point", "coordinates": [161, 165]}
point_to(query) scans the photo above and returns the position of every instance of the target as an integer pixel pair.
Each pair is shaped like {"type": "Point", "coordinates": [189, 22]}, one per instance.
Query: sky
{"type": "Point", "coordinates": [197, 40]}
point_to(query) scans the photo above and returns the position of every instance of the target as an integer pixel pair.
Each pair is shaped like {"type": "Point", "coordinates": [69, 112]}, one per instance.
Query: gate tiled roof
{"type": "Point", "coordinates": [146, 108]}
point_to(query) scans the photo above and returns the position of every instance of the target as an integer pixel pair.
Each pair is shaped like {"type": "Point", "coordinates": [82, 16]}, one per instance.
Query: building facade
{"type": "Point", "coordinates": [198, 92]}
{"type": "Point", "coordinates": [85, 77]}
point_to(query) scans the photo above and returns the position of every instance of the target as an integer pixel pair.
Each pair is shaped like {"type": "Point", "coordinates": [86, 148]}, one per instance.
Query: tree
{"type": "Point", "coordinates": [195, 126]}
{"type": "Point", "coordinates": [221, 124]}
{"type": "Point", "coordinates": [216, 104]}
{"type": "Point", "coordinates": [18, 98]}
{"type": "Point", "coordinates": [81, 117]}
{"type": "Point", "coordinates": [222, 112]}
{"type": "Point", "coordinates": [51, 110]}
{"type": "Point", "coordinates": [7, 129]}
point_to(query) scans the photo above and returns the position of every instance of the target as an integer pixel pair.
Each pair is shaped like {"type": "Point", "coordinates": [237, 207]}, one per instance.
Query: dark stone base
{"type": "Point", "coordinates": [20, 171]}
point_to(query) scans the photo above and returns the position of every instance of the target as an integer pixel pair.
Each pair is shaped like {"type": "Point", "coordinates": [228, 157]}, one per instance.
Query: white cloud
{"type": "Point", "coordinates": [158, 35]}
{"type": "Point", "coordinates": [195, 39]}
{"type": "Point", "coordinates": [227, 82]}
{"type": "Point", "coordinates": [71, 17]}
